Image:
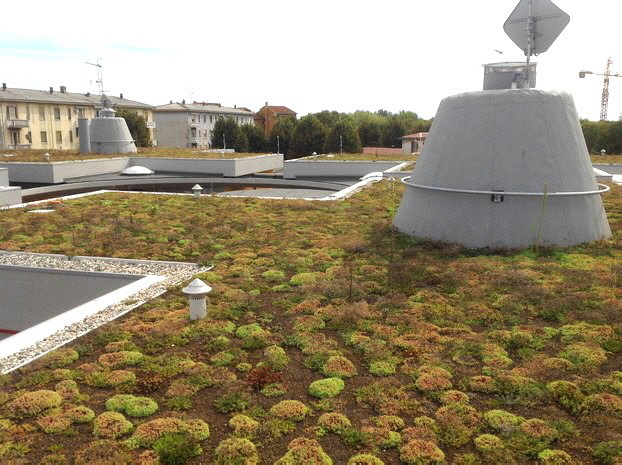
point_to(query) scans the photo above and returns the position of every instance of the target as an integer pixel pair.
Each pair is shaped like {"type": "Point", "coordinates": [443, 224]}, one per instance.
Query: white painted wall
{"type": "Point", "coordinates": [322, 168]}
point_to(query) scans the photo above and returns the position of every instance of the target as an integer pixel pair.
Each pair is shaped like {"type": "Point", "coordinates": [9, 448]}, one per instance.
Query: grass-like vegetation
{"type": "Point", "coordinates": [606, 158]}
{"type": "Point", "coordinates": [429, 352]}
{"type": "Point", "coordinates": [367, 157]}
{"type": "Point", "coordinates": [66, 155]}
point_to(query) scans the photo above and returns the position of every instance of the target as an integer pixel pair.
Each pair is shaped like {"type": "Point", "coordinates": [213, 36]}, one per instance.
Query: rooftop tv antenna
{"type": "Point", "coordinates": [100, 78]}
{"type": "Point", "coordinates": [534, 25]}
{"type": "Point", "coordinates": [604, 102]}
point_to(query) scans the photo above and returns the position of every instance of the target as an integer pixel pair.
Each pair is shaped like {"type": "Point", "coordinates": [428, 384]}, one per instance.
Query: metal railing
{"type": "Point", "coordinates": [602, 189]}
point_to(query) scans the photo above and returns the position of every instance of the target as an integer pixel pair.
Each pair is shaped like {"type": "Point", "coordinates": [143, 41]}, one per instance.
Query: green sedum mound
{"type": "Point", "coordinates": [326, 388]}
{"type": "Point", "coordinates": [131, 405]}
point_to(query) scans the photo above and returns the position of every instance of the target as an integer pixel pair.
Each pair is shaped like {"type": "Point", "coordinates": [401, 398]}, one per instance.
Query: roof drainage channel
{"type": "Point", "coordinates": [150, 279]}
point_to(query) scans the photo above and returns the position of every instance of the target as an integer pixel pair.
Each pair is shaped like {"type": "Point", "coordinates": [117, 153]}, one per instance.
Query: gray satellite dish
{"type": "Point", "coordinates": [535, 24]}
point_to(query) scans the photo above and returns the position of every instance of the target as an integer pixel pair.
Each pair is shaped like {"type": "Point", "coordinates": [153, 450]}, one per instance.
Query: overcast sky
{"type": "Point", "coordinates": [339, 55]}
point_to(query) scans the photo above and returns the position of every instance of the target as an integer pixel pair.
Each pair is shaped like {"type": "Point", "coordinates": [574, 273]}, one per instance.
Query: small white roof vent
{"type": "Point", "coordinates": [196, 287]}
{"type": "Point", "coordinates": [136, 171]}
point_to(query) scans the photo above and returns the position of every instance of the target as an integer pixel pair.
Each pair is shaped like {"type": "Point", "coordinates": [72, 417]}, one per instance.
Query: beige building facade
{"type": "Point", "coordinates": [190, 125]}
{"type": "Point", "coordinates": [35, 119]}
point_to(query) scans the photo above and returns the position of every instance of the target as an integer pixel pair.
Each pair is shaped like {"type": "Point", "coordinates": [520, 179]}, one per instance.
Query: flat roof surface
{"type": "Point", "coordinates": [29, 295]}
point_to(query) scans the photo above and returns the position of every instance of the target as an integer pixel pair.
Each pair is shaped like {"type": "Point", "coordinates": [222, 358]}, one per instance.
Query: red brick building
{"type": "Point", "coordinates": [268, 115]}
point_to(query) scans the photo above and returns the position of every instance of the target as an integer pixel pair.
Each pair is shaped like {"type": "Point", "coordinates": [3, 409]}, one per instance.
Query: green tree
{"type": "Point", "coordinates": [309, 136]}
{"type": "Point", "coordinates": [391, 133]}
{"type": "Point", "coordinates": [370, 133]}
{"type": "Point", "coordinates": [241, 144]}
{"type": "Point", "coordinates": [137, 126]}
{"type": "Point", "coordinates": [284, 130]}
{"type": "Point", "coordinates": [257, 140]}
{"type": "Point", "coordinates": [343, 135]}
{"type": "Point", "coordinates": [329, 118]}
{"type": "Point", "coordinates": [226, 126]}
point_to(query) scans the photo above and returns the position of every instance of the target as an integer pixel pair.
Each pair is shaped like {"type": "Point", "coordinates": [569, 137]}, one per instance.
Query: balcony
{"type": "Point", "coordinates": [17, 123]}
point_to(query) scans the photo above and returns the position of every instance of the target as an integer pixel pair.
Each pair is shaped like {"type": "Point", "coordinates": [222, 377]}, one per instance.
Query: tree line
{"type": "Point", "coordinates": [331, 131]}
{"type": "Point", "coordinates": [323, 132]}
{"type": "Point", "coordinates": [603, 135]}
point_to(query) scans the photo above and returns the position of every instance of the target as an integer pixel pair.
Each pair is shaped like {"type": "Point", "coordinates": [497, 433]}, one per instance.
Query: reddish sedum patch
{"type": "Point", "coordinates": [454, 397]}
{"type": "Point", "coordinates": [236, 450]}
{"type": "Point", "coordinates": [334, 422]}
{"type": "Point", "coordinates": [538, 429]}
{"type": "Point", "coordinates": [339, 366]}
{"type": "Point", "coordinates": [149, 432]}
{"type": "Point", "coordinates": [418, 432]}
{"type": "Point", "coordinates": [482, 383]}
{"type": "Point", "coordinates": [33, 403]}
{"type": "Point", "coordinates": [120, 359]}
{"type": "Point", "coordinates": [419, 452]}
{"type": "Point", "coordinates": [111, 425]}
{"type": "Point", "coordinates": [290, 410]}
{"type": "Point", "coordinates": [60, 358]}
{"type": "Point", "coordinates": [304, 450]}
{"type": "Point", "coordinates": [429, 383]}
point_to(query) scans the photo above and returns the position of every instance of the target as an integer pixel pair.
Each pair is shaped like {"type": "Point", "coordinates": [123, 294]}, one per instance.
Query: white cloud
{"type": "Point", "coordinates": [338, 55]}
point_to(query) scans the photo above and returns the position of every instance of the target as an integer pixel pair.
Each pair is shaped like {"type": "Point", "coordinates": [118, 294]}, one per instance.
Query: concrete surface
{"type": "Point", "coordinates": [33, 295]}
{"type": "Point", "coordinates": [504, 140]}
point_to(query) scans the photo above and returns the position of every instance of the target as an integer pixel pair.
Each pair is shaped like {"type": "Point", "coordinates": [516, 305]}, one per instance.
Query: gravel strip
{"type": "Point", "coordinates": [174, 274]}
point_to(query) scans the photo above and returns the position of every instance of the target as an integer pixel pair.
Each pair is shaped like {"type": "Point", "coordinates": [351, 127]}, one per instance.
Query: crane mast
{"type": "Point", "coordinates": [604, 103]}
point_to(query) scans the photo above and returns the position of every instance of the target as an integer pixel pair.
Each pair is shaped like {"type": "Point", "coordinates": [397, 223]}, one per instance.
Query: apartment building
{"type": "Point", "coordinates": [190, 125]}
{"type": "Point", "coordinates": [37, 119]}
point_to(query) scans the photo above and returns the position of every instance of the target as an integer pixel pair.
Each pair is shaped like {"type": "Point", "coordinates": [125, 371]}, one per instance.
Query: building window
{"type": "Point", "coordinates": [77, 135]}
{"type": "Point", "coordinates": [70, 136]}
{"type": "Point", "coordinates": [193, 132]}
{"type": "Point", "coordinates": [69, 113]}
{"type": "Point", "coordinates": [44, 137]}
{"type": "Point", "coordinates": [57, 113]}
{"type": "Point", "coordinates": [210, 118]}
{"type": "Point", "coordinates": [81, 113]}
{"type": "Point", "coordinates": [193, 118]}
{"type": "Point", "coordinates": [28, 112]}
{"type": "Point", "coordinates": [205, 133]}
{"type": "Point", "coordinates": [41, 113]}
{"type": "Point", "coordinates": [59, 137]}
{"type": "Point", "coordinates": [11, 112]}
{"type": "Point", "coordinates": [29, 137]}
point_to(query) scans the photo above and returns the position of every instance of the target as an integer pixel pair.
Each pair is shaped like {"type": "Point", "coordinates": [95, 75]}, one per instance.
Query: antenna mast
{"type": "Point", "coordinates": [529, 27]}
{"type": "Point", "coordinates": [100, 77]}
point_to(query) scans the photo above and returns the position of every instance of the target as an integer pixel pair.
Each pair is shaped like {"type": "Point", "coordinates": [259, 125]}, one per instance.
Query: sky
{"type": "Point", "coordinates": [342, 55]}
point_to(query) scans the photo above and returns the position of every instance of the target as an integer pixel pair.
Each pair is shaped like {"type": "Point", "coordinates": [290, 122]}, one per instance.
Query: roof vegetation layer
{"type": "Point", "coordinates": [429, 352]}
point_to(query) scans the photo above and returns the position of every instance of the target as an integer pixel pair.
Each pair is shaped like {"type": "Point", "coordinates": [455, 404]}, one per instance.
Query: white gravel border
{"type": "Point", "coordinates": [34, 342]}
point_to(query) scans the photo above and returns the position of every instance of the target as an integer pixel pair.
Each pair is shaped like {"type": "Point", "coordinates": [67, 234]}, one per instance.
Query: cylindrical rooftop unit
{"type": "Point", "coordinates": [509, 75]}
{"type": "Point", "coordinates": [505, 169]}
{"type": "Point", "coordinates": [84, 133]}
{"type": "Point", "coordinates": [111, 135]}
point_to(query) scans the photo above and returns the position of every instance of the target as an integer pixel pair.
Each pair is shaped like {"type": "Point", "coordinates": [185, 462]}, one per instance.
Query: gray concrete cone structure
{"type": "Point", "coordinates": [505, 169]}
